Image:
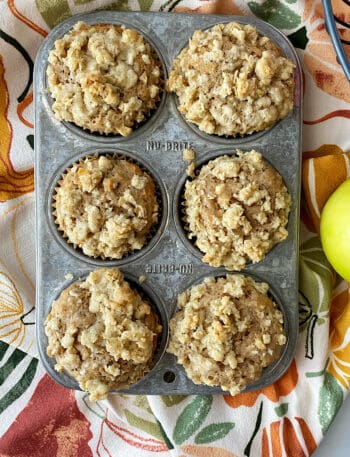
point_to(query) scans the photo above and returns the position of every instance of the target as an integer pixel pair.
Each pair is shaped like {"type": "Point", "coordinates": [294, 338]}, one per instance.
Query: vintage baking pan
{"type": "Point", "coordinates": [169, 261]}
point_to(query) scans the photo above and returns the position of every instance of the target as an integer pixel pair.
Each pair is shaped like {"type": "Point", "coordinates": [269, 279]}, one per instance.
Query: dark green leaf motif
{"type": "Point", "coordinates": [15, 358]}
{"type": "Point", "coordinates": [281, 410]}
{"type": "Point", "coordinates": [276, 13]}
{"type": "Point", "coordinates": [165, 436]}
{"type": "Point", "coordinates": [305, 311]}
{"type": "Point", "coordinates": [192, 418]}
{"type": "Point", "coordinates": [20, 387]}
{"type": "Point", "coordinates": [331, 399]}
{"type": "Point", "coordinates": [299, 38]}
{"type": "Point", "coordinates": [213, 432]}
{"type": "Point", "coordinates": [256, 429]}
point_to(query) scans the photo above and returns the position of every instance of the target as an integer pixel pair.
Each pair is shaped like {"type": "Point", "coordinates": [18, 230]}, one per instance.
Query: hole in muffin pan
{"type": "Point", "coordinates": [169, 377]}
{"type": "Point", "coordinates": [156, 231]}
{"type": "Point", "coordinates": [179, 212]}
{"type": "Point", "coordinates": [138, 128]}
{"type": "Point", "coordinates": [146, 293]}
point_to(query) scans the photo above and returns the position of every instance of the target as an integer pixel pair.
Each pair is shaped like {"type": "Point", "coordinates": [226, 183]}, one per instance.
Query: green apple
{"type": "Point", "coordinates": [335, 229]}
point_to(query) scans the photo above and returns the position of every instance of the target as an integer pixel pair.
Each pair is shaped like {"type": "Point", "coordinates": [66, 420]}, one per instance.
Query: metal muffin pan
{"type": "Point", "coordinates": [168, 262]}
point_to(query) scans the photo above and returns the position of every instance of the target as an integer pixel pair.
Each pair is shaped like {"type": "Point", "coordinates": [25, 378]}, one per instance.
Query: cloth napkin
{"type": "Point", "coordinates": [289, 418]}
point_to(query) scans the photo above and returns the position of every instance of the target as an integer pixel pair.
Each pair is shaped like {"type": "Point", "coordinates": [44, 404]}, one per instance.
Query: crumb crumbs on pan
{"type": "Point", "coordinates": [188, 154]}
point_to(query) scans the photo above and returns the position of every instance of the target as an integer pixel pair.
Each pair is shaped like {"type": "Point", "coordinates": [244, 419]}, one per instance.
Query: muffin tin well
{"type": "Point", "coordinates": [155, 232]}
{"type": "Point", "coordinates": [168, 264]}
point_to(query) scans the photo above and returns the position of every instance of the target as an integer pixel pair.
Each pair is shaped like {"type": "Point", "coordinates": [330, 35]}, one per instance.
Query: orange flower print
{"type": "Point", "coordinates": [319, 56]}
{"type": "Point", "coordinates": [59, 429]}
{"type": "Point", "coordinates": [290, 434]}
{"type": "Point", "coordinates": [318, 183]}
{"type": "Point", "coordinates": [12, 183]}
{"type": "Point", "coordinates": [339, 362]}
{"type": "Point", "coordinates": [274, 392]}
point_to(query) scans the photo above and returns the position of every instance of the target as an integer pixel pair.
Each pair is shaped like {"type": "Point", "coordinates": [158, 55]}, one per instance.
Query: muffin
{"type": "Point", "coordinates": [106, 206]}
{"type": "Point", "coordinates": [104, 78]}
{"type": "Point", "coordinates": [236, 209]}
{"type": "Point", "coordinates": [227, 330]}
{"type": "Point", "coordinates": [102, 333]}
{"type": "Point", "coordinates": [231, 80]}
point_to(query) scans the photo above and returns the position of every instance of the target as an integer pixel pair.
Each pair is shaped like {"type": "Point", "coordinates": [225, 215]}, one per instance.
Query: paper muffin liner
{"type": "Point", "coordinates": [153, 229]}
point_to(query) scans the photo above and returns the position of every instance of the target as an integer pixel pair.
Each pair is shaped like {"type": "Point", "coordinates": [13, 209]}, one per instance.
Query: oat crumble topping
{"type": "Point", "coordinates": [102, 333]}
{"type": "Point", "coordinates": [232, 81]}
{"type": "Point", "coordinates": [236, 209]}
{"type": "Point", "coordinates": [106, 206]}
{"type": "Point", "coordinates": [105, 78]}
{"type": "Point", "coordinates": [226, 331]}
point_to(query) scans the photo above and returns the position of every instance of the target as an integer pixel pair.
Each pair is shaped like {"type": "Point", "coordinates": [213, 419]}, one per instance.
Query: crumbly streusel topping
{"type": "Point", "coordinates": [236, 209]}
{"type": "Point", "coordinates": [102, 333]}
{"type": "Point", "coordinates": [104, 78]}
{"type": "Point", "coordinates": [106, 206]}
{"type": "Point", "coordinates": [226, 332]}
{"type": "Point", "coordinates": [232, 81]}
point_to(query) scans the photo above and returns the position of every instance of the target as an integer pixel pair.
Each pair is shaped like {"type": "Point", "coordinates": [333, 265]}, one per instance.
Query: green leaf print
{"type": "Point", "coordinates": [315, 283]}
{"type": "Point", "coordinates": [171, 400]}
{"type": "Point", "coordinates": [15, 358]}
{"type": "Point", "coordinates": [145, 5]}
{"type": "Point", "coordinates": [3, 348]}
{"type": "Point", "coordinates": [192, 418]}
{"type": "Point", "coordinates": [30, 139]}
{"type": "Point", "coordinates": [299, 38]}
{"type": "Point", "coordinates": [282, 409]}
{"type": "Point", "coordinates": [276, 13]}
{"type": "Point", "coordinates": [149, 427]}
{"type": "Point", "coordinates": [331, 399]}
{"type": "Point", "coordinates": [165, 436]}
{"type": "Point", "coordinates": [119, 5]}
{"type": "Point", "coordinates": [141, 401]}
{"type": "Point", "coordinates": [53, 12]}
{"type": "Point", "coordinates": [20, 387]}
{"type": "Point", "coordinates": [316, 276]}
{"type": "Point", "coordinates": [213, 432]}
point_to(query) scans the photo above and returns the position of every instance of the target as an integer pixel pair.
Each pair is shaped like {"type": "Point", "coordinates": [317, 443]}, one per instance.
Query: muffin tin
{"type": "Point", "coordinates": [168, 263]}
